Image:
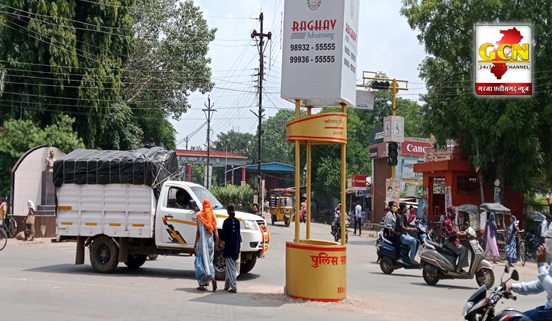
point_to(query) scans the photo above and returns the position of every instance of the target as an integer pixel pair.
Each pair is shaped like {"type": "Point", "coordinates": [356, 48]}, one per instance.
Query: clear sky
{"type": "Point", "coordinates": [386, 41]}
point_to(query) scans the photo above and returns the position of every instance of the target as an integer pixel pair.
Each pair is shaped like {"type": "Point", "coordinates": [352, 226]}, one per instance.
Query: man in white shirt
{"type": "Point", "coordinates": [542, 284]}
{"type": "Point", "coordinates": [358, 218]}
{"type": "Point", "coordinates": [543, 228]}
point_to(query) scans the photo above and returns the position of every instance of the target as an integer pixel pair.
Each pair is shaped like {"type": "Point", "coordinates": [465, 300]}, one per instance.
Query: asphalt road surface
{"type": "Point", "coordinates": [38, 281]}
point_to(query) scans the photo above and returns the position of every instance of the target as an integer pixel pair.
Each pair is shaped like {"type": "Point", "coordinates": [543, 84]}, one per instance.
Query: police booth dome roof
{"type": "Point", "coordinates": [144, 166]}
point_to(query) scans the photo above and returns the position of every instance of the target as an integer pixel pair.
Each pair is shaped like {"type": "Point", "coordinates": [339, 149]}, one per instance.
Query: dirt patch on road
{"type": "Point", "coordinates": [354, 304]}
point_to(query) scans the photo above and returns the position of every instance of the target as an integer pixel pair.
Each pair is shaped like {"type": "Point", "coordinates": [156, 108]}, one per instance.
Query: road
{"type": "Point", "coordinates": [39, 282]}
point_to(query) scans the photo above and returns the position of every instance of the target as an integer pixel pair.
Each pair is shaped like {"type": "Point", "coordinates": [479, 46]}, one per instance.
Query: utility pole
{"type": "Point", "coordinates": [261, 47]}
{"type": "Point", "coordinates": [208, 113]}
{"type": "Point", "coordinates": [225, 160]}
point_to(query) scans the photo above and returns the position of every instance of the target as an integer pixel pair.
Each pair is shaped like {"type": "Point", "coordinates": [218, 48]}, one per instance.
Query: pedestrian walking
{"type": "Point", "coordinates": [30, 222]}
{"type": "Point", "coordinates": [232, 243]}
{"type": "Point", "coordinates": [358, 218]}
{"type": "Point", "coordinates": [206, 237]}
{"type": "Point", "coordinates": [543, 229]}
{"type": "Point", "coordinates": [511, 243]}
{"type": "Point", "coordinates": [490, 236]}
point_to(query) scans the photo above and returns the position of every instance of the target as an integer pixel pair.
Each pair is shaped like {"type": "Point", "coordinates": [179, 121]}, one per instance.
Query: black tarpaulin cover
{"type": "Point", "coordinates": [144, 166]}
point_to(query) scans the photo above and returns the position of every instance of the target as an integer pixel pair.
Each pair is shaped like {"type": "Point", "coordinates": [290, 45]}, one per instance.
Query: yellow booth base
{"type": "Point", "coordinates": [316, 270]}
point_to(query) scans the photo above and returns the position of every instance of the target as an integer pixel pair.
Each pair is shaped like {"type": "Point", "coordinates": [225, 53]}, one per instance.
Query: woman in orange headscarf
{"type": "Point", "coordinates": [205, 246]}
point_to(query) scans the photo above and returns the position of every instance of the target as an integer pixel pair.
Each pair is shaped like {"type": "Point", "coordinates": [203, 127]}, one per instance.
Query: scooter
{"type": "Point", "coordinates": [387, 255]}
{"type": "Point", "coordinates": [302, 216]}
{"type": "Point", "coordinates": [481, 307]}
{"type": "Point", "coordinates": [440, 263]}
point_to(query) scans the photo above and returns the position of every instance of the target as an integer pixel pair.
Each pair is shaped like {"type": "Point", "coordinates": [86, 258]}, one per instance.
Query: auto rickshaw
{"type": "Point", "coordinates": [502, 214]}
{"type": "Point", "coordinates": [467, 213]}
{"type": "Point", "coordinates": [282, 208]}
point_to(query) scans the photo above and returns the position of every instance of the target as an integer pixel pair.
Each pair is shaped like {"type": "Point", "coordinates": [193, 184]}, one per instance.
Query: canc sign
{"type": "Point", "coordinates": [414, 148]}
{"type": "Point", "coordinates": [358, 181]}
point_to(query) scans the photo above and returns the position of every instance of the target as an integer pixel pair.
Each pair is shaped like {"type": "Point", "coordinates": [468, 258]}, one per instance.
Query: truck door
{"type": "Point", "coordinates": [179, 220]}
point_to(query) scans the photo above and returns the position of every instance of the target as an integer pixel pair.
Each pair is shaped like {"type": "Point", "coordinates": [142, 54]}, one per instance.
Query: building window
{"type": "Point", "coordinates": [467, 185]}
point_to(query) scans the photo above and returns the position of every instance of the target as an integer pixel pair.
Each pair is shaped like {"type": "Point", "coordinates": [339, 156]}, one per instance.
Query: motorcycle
{"type": "Point", "coordinates": [531, 246]}
{"type": "Point", "coordinates": [337, 232]}
{"type": "Point", "coordinates": [440, 263]}
{"type": "Point", "coordinates": [387, 254]}
{"type": "Point", "coordinates": [481, 307]}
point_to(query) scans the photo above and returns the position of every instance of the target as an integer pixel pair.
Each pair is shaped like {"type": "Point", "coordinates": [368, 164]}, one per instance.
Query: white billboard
{"type": "Point", "coordinates": [319, 54]}
{"type": "Point", "coordinates": [365, 99]}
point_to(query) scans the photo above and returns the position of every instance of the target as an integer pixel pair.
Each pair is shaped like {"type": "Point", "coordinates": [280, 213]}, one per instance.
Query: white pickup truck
{"type": "Point", "coordinates": [129, 222]}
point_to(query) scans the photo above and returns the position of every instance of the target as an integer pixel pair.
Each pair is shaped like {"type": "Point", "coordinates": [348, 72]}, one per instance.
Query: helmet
{"type": "Point", "coordinates": [451, 212]}
{"type": "Point", "coordinates": [548, 243]}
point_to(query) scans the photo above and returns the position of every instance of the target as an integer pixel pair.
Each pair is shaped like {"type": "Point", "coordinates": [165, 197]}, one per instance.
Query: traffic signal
{"type": "Point", "coordinates": [392, 154]}
{"type": "Point", "coordinates": [383, 85]}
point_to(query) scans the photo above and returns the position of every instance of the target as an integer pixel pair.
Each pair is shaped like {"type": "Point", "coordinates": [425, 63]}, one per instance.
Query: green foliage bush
{"type": "Point", "coordinates": [241, 196]}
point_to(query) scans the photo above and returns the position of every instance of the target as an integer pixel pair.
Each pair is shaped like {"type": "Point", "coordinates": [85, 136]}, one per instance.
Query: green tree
{"type": "Point", "coordinates": [168, 62]}
{"type": "Point", "coordinates": [275, 147]}
{"type": "Point", "coordinates": [19, 136]}
{"type": "Point", "coordinates": [198, 174]}
{"type": "Point", "coordinates": [506, 138]}
{"type": "Point", "coordinates": [124, 133]}
{"type": "Point", "coordinates": [414, 123]}
{"type": "Point", "coordinates": [238, 143]}
{"type": "Point", "coordinates": [241, 196]}
{"type": "Point", "coordinates": [64, 56]}
{"type": "Point", "coordinates": [326, 159]}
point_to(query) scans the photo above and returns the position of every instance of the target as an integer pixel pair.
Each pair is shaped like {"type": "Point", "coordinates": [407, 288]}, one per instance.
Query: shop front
{"type": "Point", "coordinates": [449, 179]}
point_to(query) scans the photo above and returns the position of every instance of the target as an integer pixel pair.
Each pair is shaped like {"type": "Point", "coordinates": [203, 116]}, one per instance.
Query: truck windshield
{"type": "Point", "coordinates": [203, 193]}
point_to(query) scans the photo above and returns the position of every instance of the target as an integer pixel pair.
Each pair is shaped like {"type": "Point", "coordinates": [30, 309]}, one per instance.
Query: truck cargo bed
{"type": "Point", "coordinates": [116, 210]}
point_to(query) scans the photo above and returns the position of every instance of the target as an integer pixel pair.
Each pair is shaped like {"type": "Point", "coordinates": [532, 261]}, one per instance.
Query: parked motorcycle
{"type": "Point", "coordinates": [387, 254]}
{"type": "Point", "coordinates": [440, 263]}
{"type": "Point", "coordinates": [531, 246]}
{"type": "Point", "coordinates": [481, 307]}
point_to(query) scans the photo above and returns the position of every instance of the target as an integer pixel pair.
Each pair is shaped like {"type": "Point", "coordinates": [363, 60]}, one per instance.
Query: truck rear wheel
{"type": "Point", "coordinates": [136, 261]}
{"type": "Point", "coordinates": [219, 263]}
{"type": "Point", "coordinates": [104, 254]}
{"type": "Point", "coordinates": [248, 265]}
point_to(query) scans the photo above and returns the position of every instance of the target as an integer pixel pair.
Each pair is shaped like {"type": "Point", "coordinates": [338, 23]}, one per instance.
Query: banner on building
{"type": "Point", "coordinates": [392, 190]}
{"type": "Point", "coordinates": [448, 196]}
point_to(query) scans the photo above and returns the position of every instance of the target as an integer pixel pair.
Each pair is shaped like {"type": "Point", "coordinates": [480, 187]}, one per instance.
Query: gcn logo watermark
{"type": "Point", "coordinates": [503, 60]}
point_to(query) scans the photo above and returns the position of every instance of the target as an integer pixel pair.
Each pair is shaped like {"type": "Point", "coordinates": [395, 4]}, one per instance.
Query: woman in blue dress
{"type": "Point", "coordinates": [511, 243]}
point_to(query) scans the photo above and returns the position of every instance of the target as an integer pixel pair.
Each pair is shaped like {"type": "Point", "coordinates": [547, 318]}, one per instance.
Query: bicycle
{"type": "Point", "coordinates": [3, 238]}
{"type": "Point", "coordinates": [11, 226]}
{"type": "Point", "coordinates": [521, 250]}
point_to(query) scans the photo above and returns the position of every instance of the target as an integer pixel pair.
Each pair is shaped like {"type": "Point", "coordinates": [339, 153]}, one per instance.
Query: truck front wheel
{"type": "Point", "coordinates": [135, 261]}
{"type": "Point", "coordinates": [248, 265]}
{"type": "Point", "coordinates": [104, 254]}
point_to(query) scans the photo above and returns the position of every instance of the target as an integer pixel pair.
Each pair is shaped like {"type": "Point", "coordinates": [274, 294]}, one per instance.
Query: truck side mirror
{"type": "Point", "coordinates": [192, 204]}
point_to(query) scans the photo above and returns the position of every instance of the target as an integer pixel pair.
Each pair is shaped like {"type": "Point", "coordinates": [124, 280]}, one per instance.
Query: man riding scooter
{"type": "Point", "coordinates": [447, 260]}
{"type": "Point", "coordinates": [450, 236]}
{"type": "Point", "coordinates": [402, 228]}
